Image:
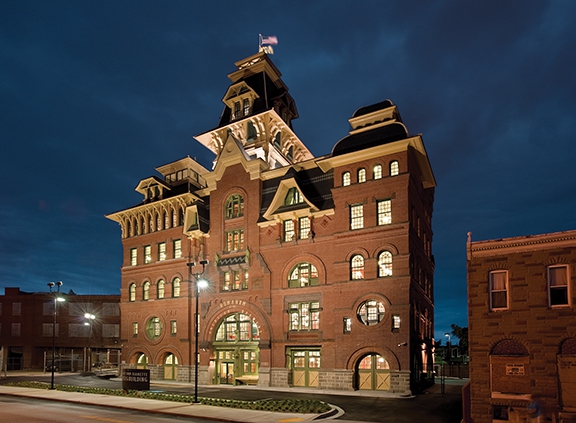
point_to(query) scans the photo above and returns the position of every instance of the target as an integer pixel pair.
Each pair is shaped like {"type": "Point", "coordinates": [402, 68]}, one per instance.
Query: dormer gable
{"type": "Point", "coordinates": [289, 201]}
{"type": "Point", "coordinates": [152, 188]}
{"type": "Point", "coordinates": [240, 100]}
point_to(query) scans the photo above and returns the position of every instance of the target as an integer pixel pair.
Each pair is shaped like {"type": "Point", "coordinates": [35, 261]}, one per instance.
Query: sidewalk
{"type": "Point", "coordinates": [233, 415]}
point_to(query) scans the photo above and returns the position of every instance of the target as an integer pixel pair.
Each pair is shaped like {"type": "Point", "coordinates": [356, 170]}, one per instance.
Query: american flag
{"type": "Point", "coordinates": [270, 40]}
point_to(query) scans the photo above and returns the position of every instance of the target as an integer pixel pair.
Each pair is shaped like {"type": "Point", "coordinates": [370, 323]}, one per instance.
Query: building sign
{"type": "Point", "coordinates": [136, 379]}
{"type": "Point", "coordinates": [515, 369]}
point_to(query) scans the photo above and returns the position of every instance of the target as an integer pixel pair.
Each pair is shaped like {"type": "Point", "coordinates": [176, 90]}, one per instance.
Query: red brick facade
{"type": "Point", "coordinates": [316, 278]}
{"type": "Point", "coordinates": [522, 327]}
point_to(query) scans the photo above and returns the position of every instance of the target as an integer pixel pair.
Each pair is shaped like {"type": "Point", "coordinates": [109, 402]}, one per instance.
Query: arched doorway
{"type": "Point", "coordinates": [141, 361]}
{"type": "Point", "coordinates": [236, 350]}
{"type": "Point", "coordinates": [170, 367]}
{"type": "Point", "coordinates": [373, 373]}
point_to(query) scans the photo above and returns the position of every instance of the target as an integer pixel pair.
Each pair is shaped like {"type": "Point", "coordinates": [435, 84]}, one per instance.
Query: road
{"type": "Point", "coordinates": [31, 410]}
{"type": "Point", "coordinates": [431, 406]}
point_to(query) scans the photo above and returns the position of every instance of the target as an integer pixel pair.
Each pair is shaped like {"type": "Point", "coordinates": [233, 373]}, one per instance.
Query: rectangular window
{"type": "Point", "coordinates": [133, 256]}
{"type": "Point", "coordinates": [304, 316]}
{"type": "Point", "coordinates": [498, 290]}
{"type": "Point", "coordinates": [384, 210]}
{"type": "Point", "coordinates": [288, 230]}
{"type": "Point", "coordinates": [235, 240]}
{"type": "Point", "coordinates": [347, 325]}
{"type": "Point", "coordinates": [147, 254]}
{"type": "Point", "coordinates": [304, 227]}
{"type": "Point", "coordinates": [356, 216]}
{"type": "Point", "coordinates": [134, 329]}
{"type": "Point", "coordinates": [235, 280]}
{"type": "Point", "coordinates": [16, 329]}
{"type": "Point", "coordinates": [173, 327]}
{"type": "Point", "coordinates": [558, 285]}
{"type": "Point", "coordinates": [177, 248]}
{"type": "Point", "coordinates": [16, 309]}
{"type": "Point", "coordinates": [395, 323]}
{"type": "Point", "coordinates": [162, 251]}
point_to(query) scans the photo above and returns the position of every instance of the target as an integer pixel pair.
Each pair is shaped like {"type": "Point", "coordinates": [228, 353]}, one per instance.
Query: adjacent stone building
{"type": "Point", "coordinates": [522, 327]}
{"type": "Point", "coordinates": [320, 269]}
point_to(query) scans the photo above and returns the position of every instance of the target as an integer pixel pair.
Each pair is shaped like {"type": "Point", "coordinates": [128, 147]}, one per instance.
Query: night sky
{"type": "Point", "coordinates": [95, 94]}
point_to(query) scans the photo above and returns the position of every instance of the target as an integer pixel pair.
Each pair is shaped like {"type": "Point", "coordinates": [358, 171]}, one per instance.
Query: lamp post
{"type": "Point", "coordinates": [89, 317]}
{"type": "Point", "coordinates": [198, 283]}
{"type": "Point", "coordinates": [57, 299]}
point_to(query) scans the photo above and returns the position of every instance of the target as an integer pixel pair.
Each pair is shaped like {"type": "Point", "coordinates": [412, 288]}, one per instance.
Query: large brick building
{"type": "Point", "coordinates": [27, 323]}
{"type": "Point", "coordinates": [320, 269]}
{"type": "Point", "coordinates": [522, 327]}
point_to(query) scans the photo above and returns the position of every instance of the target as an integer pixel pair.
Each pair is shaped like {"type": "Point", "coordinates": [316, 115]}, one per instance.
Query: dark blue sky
{"type": "Point", "coordinates": [95, 94]}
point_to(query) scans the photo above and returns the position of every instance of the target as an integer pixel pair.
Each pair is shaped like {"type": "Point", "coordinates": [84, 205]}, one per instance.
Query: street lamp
{"type": "Point", "coordinates": [449, 345]}
{"type": "Point", "coordinates": [57, 299]}
{"type": "Point", "coordinates": [89, 317]}
{"type": "Point", "coordinates": [198, 283]}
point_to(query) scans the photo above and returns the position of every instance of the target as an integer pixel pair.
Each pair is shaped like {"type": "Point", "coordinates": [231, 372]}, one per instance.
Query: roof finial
{"type": "Point", "coordinates": [265, 43]}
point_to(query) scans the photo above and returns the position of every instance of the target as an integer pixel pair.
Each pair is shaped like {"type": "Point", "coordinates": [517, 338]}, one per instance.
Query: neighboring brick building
{"type": "Point", "coordinates": [26, 323]}
{"type": "Point", "coordinates": [320, 268]}
{"type": "Point", "coordinates": [522, 326]}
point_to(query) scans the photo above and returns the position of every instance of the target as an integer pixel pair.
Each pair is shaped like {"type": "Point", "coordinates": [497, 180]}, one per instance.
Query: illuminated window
{"type": "Point", "coordinates": [345, 179]}
{"type": "Point", "coordinates": [499, 290]}
{"type": "Point", "coordinates": [235, 280]}
{"type": "Point", "coordinates": [384, 209]}
{"type": "Point", "coordinates": [303, 227]}
{"type": "Point", "coordinates": [154, 328]}
{"type": "Point", "coordinates": [234, 206]}
{"type": "Point", "coordinates": [176, 287]}
{"type": "Point", "coordinates": [234, 240]}
{"type": "Point", "coordinates": [304, 316]}
{"type": "Point", "coordinates": [357, 267]}
{"type": "Point", "coordinates": [132, 292]}
{"type": "Point", "coordinates": [371, 312]}
{"type": "Point", "coordinates": [160, 289]}
{"type": "Point", "coordinates": [146, 291]}
{"type": "Point", "coordinates": [361, 175]}
{"type": "Point", "coordinates": [356, 216]}
{"type": "Point", "coordinates": [147, 254]}
{"type": "Point", "coordinates": [162, 251]}
{"type": "Point", "coordinates": [377, 171]}
{"type": "Point", "coordinates": [303, 274]}
{"type": "Point", "coordinates": [177, 248]}
{"type": "Point", "coordinates": [385, 264]}
{"type": "Point", "coordinates": [394, 168]}
{"type": "Point", "coordinates": [133, 256]}
{"type": "Point", "coordinates": [289, 231]}
{"type": "Point", "coordinates": [558, 285]}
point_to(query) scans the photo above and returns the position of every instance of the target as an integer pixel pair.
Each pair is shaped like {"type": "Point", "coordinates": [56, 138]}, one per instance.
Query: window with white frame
{"type": "Point", "coordinates": [356, 216]}
{"type": "Point", "coordinates": [558, 285]}
{"type": "Point", "coordinates": [357, 267]}
{"type": "Point", "coordinates": [384, 210]}
{"type": "Point", "coordinates": [498, 290]}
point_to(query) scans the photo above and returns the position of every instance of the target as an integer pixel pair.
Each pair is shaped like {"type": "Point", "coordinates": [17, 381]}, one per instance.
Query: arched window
{"type": "Point", "coordinates": [371, 312]}
{"type": "Point", "coordinates": [132, 292]}
{"type": "Point", "coordinates": [361, 175]}
{"type": "Point", "coordinates": [394, 168]}
{"type": "Point", "coordinates": [293, 196]}
{"type": "Point", "coordinates": [237, 327]}
{"type": "Point", "coordinates": [160, 289]}
{"type": "Point", "coordinates": [385, 264]}
{"type": "Point", "coordinates": [345, 179]}
{"type": "Point", "coordinates": [357, 267]}
{"type": "Point", "coordinates": [377, 171]}
{"type": "Point", "coordinates": [234, 206]}
{"type": "Point", "coordinates": [176, 287]}
{"type": "Point", "coordinates": [303, 274]}
{"type": "Point", "coordinates": [146, 291]}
